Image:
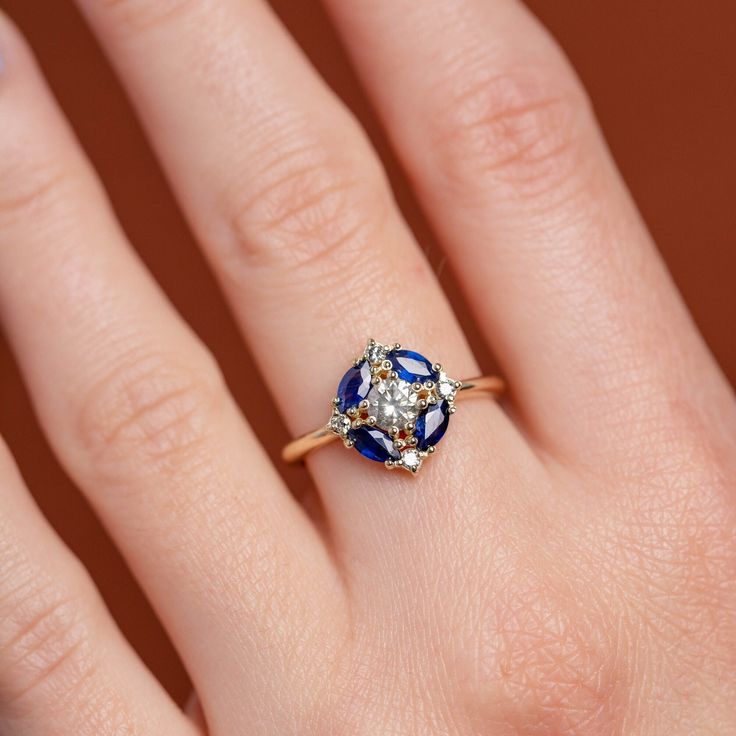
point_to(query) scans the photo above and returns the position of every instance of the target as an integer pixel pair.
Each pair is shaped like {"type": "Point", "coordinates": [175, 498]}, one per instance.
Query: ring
{"type": "Point", "coordinates": [392, 406]}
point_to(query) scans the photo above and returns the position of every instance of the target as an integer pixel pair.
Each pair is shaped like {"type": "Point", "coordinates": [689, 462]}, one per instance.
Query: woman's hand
{"type": "Point", "coordinates": [565, 568]}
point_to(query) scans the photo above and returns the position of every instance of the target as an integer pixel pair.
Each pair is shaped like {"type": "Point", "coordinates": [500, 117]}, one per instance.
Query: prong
{"type": "Point", "coordinates": [411, 441]}
{"type": "Point", "coordinates": [393, 432]}
{"type": "Point", "coordinates": [352, 412]}
{"type": "Point", "coordinates": [397, 346]}
{"type": "Point", "coordinates": [422, 403]}
{"type": "Point", "coordinates": [386, 365]}
{"type": "Point", "coordinates": [363, 405]}
{"type": "Point", "coordinates": [452, 409]}
{"type": "Point", "coordinates": [429, 385]}
{"type": "Point", "coordinates": [458, 384]}
{"type": "Point", "coordinates": [399, 444]}
{"type": "Point", "coordinates": [432, 399]}
{"type": "Point", "coordinates": [410, 427]}
{"type": "Point", "coordinates": [348, 443]}
{"type": "Point", "coordinates": [390, 464]}
{"type": "Point", "coordinates": [430, 450]}
{"type": "Point", "coordinates": [393, 375]}
{"type": "Point", "coordinates": [437, 367]}
{"type": "Point", "coordinates": [370, 421]}
{"type": "Point", "coordinates": [416, 387]}
{"type": "Point", "coordinates": [336, 401]}
{"type": "Point", "coordinates": [371, 342]}
{"type": "Point", "coordinates": [358, 423]}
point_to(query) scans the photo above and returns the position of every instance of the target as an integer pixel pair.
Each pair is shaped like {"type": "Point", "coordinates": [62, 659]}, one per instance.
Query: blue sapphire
{"type": "Point", "coordinates": [354, 386]}
{"type": "Point", "coordinates": [374, 444]}
{"type": "Point", "coordinates": [412, 367]}
{"type": "Point", "coordinates": [432, 425]}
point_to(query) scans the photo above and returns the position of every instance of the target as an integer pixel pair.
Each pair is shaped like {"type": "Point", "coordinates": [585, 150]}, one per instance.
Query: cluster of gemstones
{"type": "Point", "coordinates": [393, 406]}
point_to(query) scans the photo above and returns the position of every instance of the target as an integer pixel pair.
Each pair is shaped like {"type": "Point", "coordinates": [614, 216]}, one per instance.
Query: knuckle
{"type": "Point", "coordinates": [521, 129]}
{"type": "Point", "coordinates": [29, 189]}
{"type": "Point", "coordinates": [138, 15]}
{"type": "Point", "coordinates": [153, 410]}
{"type": "Point", "coordinates": [45, 642]}
{"type": "Point", "coordinates": [547, 669]}
{"type": "Point", "coordinates": [314, 210]}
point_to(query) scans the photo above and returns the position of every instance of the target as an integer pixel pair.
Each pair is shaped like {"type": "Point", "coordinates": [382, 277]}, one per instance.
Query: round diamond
{"type": "Point", "coordinates": [446, 387]}
{"type": "Point", "coordinates": [376, 353]}
{"type": "Point", "coordinates": [340, 424]}
{"type": "Point", "coordinates": [393, 403]}
{"type": "Point", "coordinates": [411, 460]}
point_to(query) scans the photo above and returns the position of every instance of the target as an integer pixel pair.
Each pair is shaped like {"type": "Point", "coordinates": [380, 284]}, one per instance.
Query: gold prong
{"type": "Point", "coordinates": [393, 431]}
{"type": "Point", "coordinates": [430, 450]}
{"type": "Point", "coordinates": [429, 385]}
{"type": "Point", "coordinates": [437, 367]}
{"type": "Point", "coordinates": [422, 403]}
{"type": "Point", "coordinates": [393, 375]}
{"type": "Point", "coordinates": [352, 412]}
{"type": "Point", "coordinates": [417, 386]}
{"type": "Point", "coordinates": [370, 421]}
{"type": "Point", "coordinates": [390, 464]}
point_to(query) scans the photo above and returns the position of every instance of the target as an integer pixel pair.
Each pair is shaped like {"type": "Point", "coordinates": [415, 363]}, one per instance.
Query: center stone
{"type": "Point", "coordinates": [392, 403]}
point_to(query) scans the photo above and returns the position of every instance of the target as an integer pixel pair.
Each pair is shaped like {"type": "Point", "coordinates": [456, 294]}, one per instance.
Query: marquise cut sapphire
{"type": "Point", "coordinates": [354, 386]}
{"type": "Point", "coordinates": [374, 444]}
{"type": "Point", "coordinates": [432, 425]}
{"type": "Point", "coordinates": [412, 367]}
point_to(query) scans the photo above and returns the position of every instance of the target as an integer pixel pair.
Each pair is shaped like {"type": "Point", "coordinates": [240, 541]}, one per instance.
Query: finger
{"type": "Point", "coordinates": [296, 216]}
{"type": "Point", "coordinates": [138, 412]}
{"type": "Point", "coordinates": [506, 156]}
{"type": "Point", "coordinates": [65, 669]}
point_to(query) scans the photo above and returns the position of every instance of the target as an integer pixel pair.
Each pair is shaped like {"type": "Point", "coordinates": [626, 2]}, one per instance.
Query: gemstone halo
{"type": "Point", "coordinates": [393, 406]}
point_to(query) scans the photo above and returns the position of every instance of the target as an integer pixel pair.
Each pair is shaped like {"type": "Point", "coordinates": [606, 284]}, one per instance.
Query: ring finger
{"type": "Point", "coordinates": [297, 218]}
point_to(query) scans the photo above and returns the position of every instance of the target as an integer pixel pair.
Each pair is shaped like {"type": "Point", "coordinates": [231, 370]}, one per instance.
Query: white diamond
{"type": "Point", "coordinates": [446, 387]}
{"type": "Point", "coordinates": [411, 460]}
{"type": "Point", "coordinates": [376, 353]}
{"type": "Point", "coordinates": [393, 403]}
{"type": "Point", "coordinates": [339, 424]}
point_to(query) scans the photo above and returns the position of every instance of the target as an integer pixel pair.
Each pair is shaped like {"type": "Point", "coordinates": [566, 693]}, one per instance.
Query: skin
{"type": "Point", "coordinates": [563, 565]}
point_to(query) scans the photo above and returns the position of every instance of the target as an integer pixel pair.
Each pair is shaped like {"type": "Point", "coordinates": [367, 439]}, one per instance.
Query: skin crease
{"type": "Point", "coordinates": [566, 568]}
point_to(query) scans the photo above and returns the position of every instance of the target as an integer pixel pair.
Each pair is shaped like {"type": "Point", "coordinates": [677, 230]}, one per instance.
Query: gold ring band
{"type": "Point", "coordinates": [298, 448]}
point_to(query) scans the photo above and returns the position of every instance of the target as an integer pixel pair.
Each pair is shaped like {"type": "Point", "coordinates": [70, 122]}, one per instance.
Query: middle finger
{"type": "Point", "coordinates": [296, 216]}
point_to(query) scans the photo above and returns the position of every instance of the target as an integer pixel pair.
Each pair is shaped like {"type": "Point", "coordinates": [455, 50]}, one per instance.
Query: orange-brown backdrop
{"type": "Point", "coordinates": [661, 76]}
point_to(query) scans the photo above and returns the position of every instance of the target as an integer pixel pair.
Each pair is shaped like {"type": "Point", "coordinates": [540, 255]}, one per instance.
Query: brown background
{"type": "Point", "coordinates": [661, 75]}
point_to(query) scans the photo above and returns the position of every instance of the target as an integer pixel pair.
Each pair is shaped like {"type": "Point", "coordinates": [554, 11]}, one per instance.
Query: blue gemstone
{"type": "Point", "coordinates": [354, 386]}
{"type": "Point", "coordinates": [412, 366]}
{"type": "Point", "coordinates": [432, 425]}
{"type": "Point", "coordinates": [374, 444]}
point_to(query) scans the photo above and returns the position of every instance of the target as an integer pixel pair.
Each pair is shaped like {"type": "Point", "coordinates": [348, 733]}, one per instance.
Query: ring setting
{"type": "Point", "coordinates": [393, 406]}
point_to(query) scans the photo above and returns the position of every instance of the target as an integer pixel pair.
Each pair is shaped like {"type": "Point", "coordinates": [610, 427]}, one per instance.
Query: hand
{"type": "Point", "coordinates": [564, 567]}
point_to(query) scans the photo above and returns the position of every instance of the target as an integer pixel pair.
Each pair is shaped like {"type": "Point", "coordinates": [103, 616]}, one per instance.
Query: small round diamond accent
{"type": "Point", "coordinates": [446, 387]}
{"type": "Point", "coordinates": [340, 424]}
{"type": "Point", "coordinates": [375, 352]}
{"type": "Point", "coordinates": [411, 460]}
